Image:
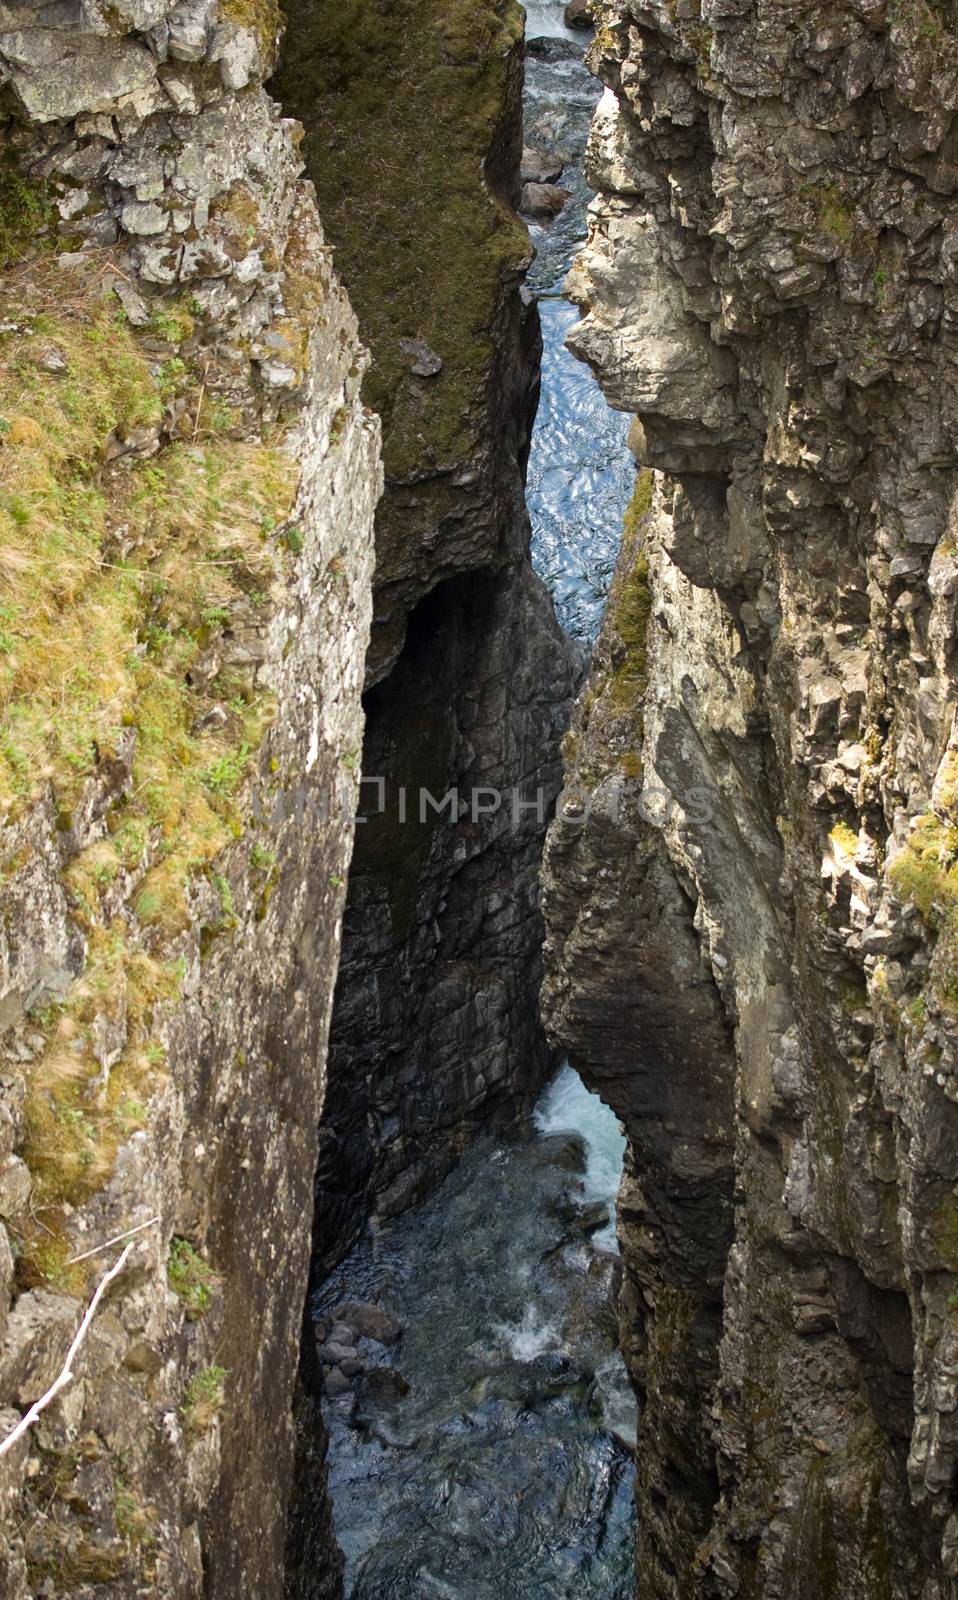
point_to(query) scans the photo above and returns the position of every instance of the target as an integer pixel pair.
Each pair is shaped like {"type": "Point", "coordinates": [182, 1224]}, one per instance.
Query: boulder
{"type": "Point", "coordinates": [592, 1217]}
{"type": "Point", "coordinates": [423, 360]}
{"type": "Point", "coordinates": [336, 1384]}
{"type": "Point", "coordinates": [368, 1321]}
{"type": "Point", "coordinates": [543, 200]}
{"type": "Point", "coordinates": [382, 1385]}
{"type": "Point", "coordinates": [332, 1354]}
{"type": "Point", "coordinates": [578, 14]}
{"type": "Point", "coordinates": [541, 166]}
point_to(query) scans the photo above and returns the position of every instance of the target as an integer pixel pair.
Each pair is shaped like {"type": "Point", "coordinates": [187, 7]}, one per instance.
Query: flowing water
{"type": "Point", "coordinates": [488, 1453]}
{"type": "Point", "coordinates": [580, 471]}
{"type": "Point", "coordinates": [505, 1472]}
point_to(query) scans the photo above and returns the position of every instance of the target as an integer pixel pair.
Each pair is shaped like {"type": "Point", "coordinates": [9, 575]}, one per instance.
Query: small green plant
{"type": "Point", "coordinates": [133, 1521]}
{"type": "Point", "coordinates": [222, 887]}
{"type": "Point", "coordinates": [215, 616]}
{"type": "Point", "coordinates": [261, 858]}
{"type": "Point", "coordinates": [148, 906]}
{"type": "Point", "coordinates": [172, 374]}
{"type": "Point", "coordinates": [171, 321]}
{"type": "Point", "coordinates": [204, 1398]}
{"type": "Point", "coordinates": [26, 211]}
{"type": "Point", "coordinates": [190, 1277]}
{"type": "Point", "coordinates": [226, 774]}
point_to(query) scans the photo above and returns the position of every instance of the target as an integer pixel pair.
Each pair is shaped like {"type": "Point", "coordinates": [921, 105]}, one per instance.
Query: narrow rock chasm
{"type": "Point", "coordinates": [436, 1038]}
{"type": "Point", "coordinates": [312, 503]}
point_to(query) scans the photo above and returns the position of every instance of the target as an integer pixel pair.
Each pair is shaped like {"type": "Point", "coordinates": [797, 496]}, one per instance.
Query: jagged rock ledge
{"type": "Point", "coordinates": [770, 286]}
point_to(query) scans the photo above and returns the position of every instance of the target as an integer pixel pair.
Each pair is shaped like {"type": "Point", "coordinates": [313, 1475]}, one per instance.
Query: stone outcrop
{"type": "Point", "coordinates": [436, 1029]}
{"type": "Point", "coordinates": [189, 479]}
{"type": "Point", "coordinates": [769, 286]}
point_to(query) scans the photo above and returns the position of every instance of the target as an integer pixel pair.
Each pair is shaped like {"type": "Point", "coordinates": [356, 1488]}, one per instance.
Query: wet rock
{"type": "Point", "coordinates": [543, 200]}
{"type": "Point", "coordinates": [336, 1384]}
{"type": "Point", "coordinates": [382, 1386]}
{"type": "Point", "coordinates": [550, 48]}
{"type": "Point", "coordinates": [578, 14]}
{"type": "Point", "coordinates": [369, 1321]}
{"type": "Point", "coordinates": [541, 166]}
{"type": "Point", "coordinates": [332, 1354]}
{"type": "Point", "coordinates": [537, 1380]}
{"type": "Point", "coordinates": [592, 1217]}
{"type": "Point", "coordinates": [565, 1151]}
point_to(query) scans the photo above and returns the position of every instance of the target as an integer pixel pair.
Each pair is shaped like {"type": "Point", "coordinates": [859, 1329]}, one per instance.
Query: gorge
{"type": "Point", "coordinates": [270, 359]}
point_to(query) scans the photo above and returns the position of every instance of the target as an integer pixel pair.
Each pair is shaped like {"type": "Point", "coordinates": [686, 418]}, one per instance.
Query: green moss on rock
{"type": "Point", "coordinates": [403, 107]}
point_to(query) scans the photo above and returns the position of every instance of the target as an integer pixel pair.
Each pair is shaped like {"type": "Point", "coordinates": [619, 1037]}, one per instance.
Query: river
{"type": "Point", "coordinates": [581, 473]}
{"type": "Point", "coordinates": [505, 1471]}
{"type": "Point", "coordinates": [486, 1453]}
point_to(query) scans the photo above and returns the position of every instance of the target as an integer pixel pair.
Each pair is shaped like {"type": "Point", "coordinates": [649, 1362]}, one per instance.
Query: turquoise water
{"type": "Point", "coordinates": [505, 1472]}
{"type": "Point", "coordinates": [581, 473]}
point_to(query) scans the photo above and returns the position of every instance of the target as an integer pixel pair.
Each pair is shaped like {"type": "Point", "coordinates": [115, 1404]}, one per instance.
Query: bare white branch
{"type": "Point", "coordinates": [66, 1371]}
{"type": "Point", "coordinates": [117, 1239]}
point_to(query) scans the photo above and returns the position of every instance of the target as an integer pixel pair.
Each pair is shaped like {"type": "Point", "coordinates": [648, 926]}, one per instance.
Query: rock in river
{"type": "Point", "coordinates": [543, 199]}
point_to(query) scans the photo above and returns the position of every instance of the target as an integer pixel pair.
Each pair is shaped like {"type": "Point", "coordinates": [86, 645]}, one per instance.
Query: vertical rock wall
{"type": "Point", "coordinates": [189, 477]}
{"type": "Point", "coordinates": [757, 964]}
{"type": "Point", "coordinates": [413, 137]}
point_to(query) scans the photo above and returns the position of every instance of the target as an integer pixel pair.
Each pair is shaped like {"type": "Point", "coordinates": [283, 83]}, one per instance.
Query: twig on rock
{"type": "Point", "coordinates": [66, 1371]}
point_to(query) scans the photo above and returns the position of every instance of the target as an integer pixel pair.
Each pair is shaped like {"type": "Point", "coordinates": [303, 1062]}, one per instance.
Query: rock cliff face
{"type": "Point", "coordinates": [413, 120]}
{"type": "Point", "coordinates": [189, 477]}
{"type": "Point", "coordinates": [755, 963]}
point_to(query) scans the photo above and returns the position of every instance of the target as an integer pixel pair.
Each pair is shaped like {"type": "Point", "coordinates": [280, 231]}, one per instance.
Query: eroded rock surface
{"type": "Point", "coordinates": [769, 285]}
{"type": "Point", "coordinates": [436, 1029]}
{"type": "Point", "coordinates": [190, 476]}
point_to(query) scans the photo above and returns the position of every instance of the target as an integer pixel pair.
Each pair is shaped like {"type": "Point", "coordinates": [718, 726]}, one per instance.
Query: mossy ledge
{"type": "Point", "coordinates": [127, 557]}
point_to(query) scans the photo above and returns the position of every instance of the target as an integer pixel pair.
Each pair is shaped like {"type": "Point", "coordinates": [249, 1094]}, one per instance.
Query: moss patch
{"type": "Point", "coordinates": [118, 571]}
{"type": "Point", "coordinates": [629, 609]}
{"type": "Point", "coordinates": [844, 838]}
{"type": "Point", "coordinates": [26, 211]}
{"type": "Point", "coordinates": [192, 1279]}
{"type": "Point", "coordinates": [403, 105]}
{"type": "Point", "coordinates": [205, 1396]}
{"type": "Point", "coordinates": [925, 875]}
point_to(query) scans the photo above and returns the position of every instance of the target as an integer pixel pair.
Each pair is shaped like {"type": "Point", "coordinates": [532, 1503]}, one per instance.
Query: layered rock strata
{"type": "Point", "coordinates": [189, 478]}
{"type": "Point", "coordinates": [770, 286]}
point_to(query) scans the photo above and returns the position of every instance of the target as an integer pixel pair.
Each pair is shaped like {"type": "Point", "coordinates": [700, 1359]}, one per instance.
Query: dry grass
{"type": "Point", "coordinates": [116, 574]}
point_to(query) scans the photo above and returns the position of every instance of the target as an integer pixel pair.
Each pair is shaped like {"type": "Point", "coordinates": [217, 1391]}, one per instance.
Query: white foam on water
{"type": "Point", "coordinates": [568, 1107]}
{"type": "Point", "coordinates": [531, 1337]}
{"type": "Point", "coordinates": [544, 21]}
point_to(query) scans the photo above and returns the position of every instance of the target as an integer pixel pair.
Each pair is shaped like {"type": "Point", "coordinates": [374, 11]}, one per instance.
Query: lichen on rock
{"type": "Point", "coordinates": [189, 479]}
{"type": "Point", "coordinates": [769, 286]}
